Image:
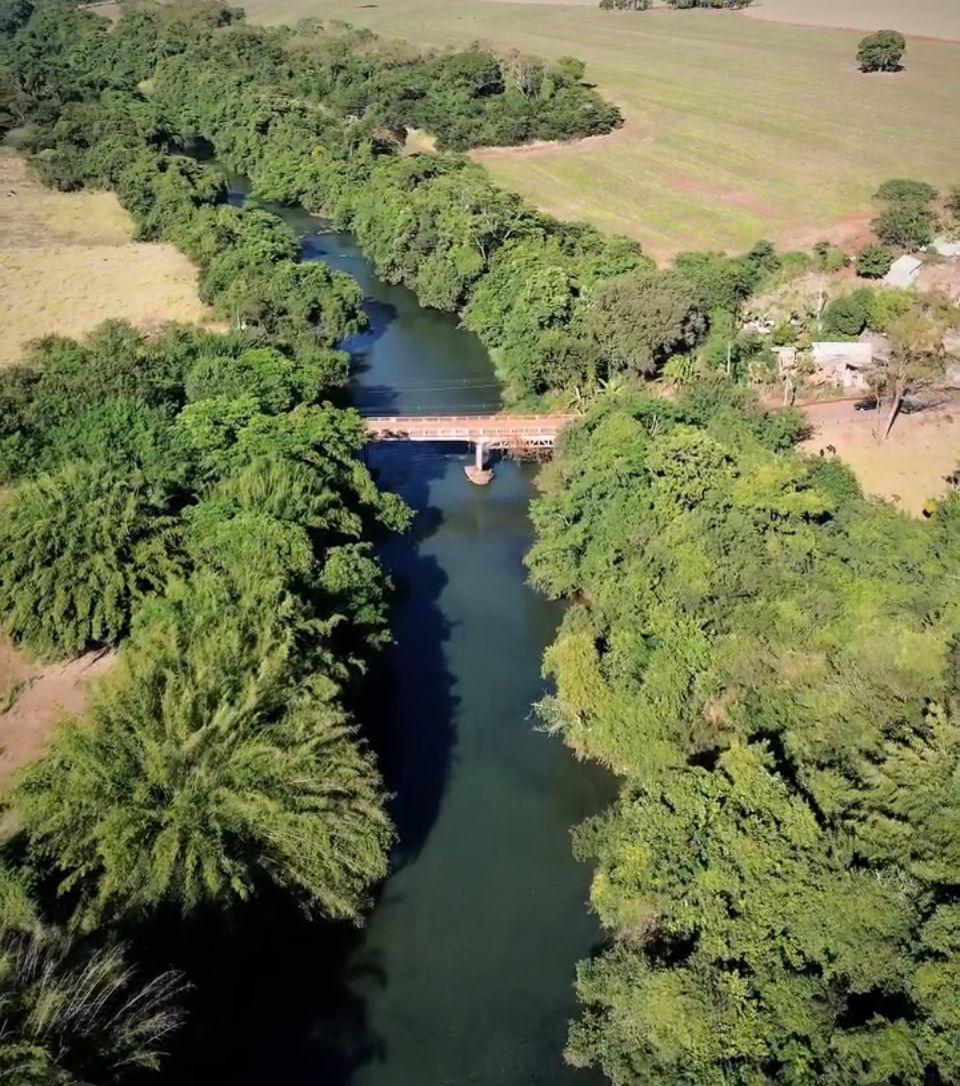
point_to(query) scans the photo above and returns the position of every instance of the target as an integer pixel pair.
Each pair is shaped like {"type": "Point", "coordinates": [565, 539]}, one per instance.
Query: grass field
{"type": "Point", "coordinates": [736, 128]}
{"type": "Point", "coordinates": [67, 262]}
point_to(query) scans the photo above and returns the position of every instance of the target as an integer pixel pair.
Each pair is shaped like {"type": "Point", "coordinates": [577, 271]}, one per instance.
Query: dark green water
{"type": "Point", "coordinates": [463, 973]}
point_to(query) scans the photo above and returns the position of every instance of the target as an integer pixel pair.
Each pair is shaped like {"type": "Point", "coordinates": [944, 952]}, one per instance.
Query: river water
{"type": "Point", "coordinates": [463, 972]}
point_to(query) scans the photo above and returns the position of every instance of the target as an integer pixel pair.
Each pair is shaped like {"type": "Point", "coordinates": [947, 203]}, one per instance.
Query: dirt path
{"type": "Point", "coordinates": [41, 694]}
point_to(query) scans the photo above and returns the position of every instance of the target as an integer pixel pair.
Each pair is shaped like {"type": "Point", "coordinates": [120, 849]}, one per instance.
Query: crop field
{"type": "Point", "coordinates": [735, 128]}
{"type": "Point", "coordinates": [68, 262]}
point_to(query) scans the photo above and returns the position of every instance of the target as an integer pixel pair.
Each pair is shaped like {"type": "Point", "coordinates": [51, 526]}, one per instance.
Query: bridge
{"type": "Point", "coordinates": [513, 433]}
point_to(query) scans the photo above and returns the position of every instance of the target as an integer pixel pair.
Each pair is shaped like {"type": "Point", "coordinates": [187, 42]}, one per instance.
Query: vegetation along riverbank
{"type": "Point", "coordinates": [763, 655]}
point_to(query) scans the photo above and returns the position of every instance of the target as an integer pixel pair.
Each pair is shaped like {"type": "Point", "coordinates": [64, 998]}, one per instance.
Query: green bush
{"type": "Point", "coordinates": [874, 261]}
{"type": "Point", "coordinates": [847, 316]}
{"type": "Point", "coordinates": [904, 190]}
{"type": "Point", "coordinates": [882, 51]}
{"type": "Point", "coordinates": [905, 226]}
{"type": "Point", "coordinates": [79, 549]}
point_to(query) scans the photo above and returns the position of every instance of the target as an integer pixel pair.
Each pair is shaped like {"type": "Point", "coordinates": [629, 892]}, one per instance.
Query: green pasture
{"type": "Point", "coordinates": [736, 129]}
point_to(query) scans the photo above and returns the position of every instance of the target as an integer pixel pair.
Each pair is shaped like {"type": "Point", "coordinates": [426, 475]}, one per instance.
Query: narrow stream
{"type": "Point", "coordinates": [464, 970]}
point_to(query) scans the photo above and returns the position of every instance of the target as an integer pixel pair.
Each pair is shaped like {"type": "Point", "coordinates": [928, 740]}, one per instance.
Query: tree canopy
{"type": "Point", "coordinates": [882, 51]}
{"type": "Point", "coordinates": [212, 757]}
{"type": "Point", "coordinates": [767, 660]}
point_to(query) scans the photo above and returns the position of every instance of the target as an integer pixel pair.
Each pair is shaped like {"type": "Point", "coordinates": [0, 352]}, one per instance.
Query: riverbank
{"type": "Point", "coordinates": [463, 971]}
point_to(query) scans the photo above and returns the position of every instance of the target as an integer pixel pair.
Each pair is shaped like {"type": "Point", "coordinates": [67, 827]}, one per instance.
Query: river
{"type": "Point", "coordinates": [463, 972]}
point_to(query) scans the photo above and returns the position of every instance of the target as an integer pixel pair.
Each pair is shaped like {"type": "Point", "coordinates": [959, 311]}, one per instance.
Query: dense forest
{"type": "Point", "coordinates": [563, 309]}
{"type": "Point", "coordinates": [187, 498]}
{"type": "Point", "coordinates": [112, 109]}
{"type": "Point", "coordinates": [769, 661]}
{"type": "Point", "coordinates": [765, 657]}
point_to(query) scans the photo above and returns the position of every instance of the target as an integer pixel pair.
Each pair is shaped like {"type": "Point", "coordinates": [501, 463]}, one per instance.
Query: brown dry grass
{"type": "Point", "coordinates": [67, 262]}
{"type": "Point", "coordinates": [908, 469]}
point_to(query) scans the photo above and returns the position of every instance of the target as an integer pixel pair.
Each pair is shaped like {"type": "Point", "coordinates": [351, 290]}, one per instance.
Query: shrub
{"type": "Point", "coordinates": [847, 316]}
{"type": "Point", "coordinates": [904, 190]}
{"type": "Point", "coordinates": [873, 261]}
{"type": "Point", "coordinates": [78, 549]}
{"type": "Point", "coordinates": [905, 226]}
{"type": "Point", "coordinates": [881, 52]}
{"type": "Point", "coordinates": [887, 306]}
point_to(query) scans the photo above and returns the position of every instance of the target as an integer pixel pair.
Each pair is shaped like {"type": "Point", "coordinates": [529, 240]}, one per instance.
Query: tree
{"type": "Point", "coordinates": [874, 261]}
{"type": "Point", "coordinates": [905, 226]}
{"type": "Point", "coordinates": [639, 319]}
{"type": "Point", "coordinates": [882, 51]}
{"type": "Point", "coordinates": [916, 359]}
{"type": "Point", "coordinates": [212, 758]}
{"type": "Point", "coordinates": [778, 877]}
{"type": "Point", "coordinates": [847, 315]}
{"type": "Point", "coordinates": [78, 550]}
{"type": "Point", "coordinates": [905, 190]}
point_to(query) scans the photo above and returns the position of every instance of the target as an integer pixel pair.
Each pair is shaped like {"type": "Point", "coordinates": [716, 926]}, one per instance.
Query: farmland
{"type": "Point", "coordinates": [734, 128]}
{"type": "Point", "coordinates": [68, 262]}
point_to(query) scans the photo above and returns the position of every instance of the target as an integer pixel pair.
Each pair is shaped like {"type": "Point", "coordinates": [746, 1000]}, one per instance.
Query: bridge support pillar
{"type": "Point", "coordinates": [478, 473]}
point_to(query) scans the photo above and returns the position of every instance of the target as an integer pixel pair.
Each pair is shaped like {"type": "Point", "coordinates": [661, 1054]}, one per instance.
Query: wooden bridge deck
{"type": "Point", "coordinates": [490, 431]}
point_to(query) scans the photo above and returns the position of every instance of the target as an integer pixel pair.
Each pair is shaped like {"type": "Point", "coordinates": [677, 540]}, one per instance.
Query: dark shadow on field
{"type": "Point", "coordinates": [277, 997]}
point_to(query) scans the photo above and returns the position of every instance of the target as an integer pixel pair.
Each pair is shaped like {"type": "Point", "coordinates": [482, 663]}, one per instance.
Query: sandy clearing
{"type": "Point", "coordinates": [909, 469]}
{"type": "Point", "coordinates": [67, 262]}
{"type": "Point", "coordinates": [42, 695]}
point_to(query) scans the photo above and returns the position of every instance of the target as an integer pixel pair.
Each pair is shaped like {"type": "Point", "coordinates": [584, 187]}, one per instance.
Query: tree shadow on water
{"type": "Point", "coordinates": [273, 997]}
{"type": "Point", "coordinates": [408, 708]}
{"type": "Point", "coordinates": [277, 997]}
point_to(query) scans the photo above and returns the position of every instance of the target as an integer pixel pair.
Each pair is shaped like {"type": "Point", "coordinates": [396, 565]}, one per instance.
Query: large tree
{"type": "Point", "coordinates": [916, 359]}
{"type": "Point", "coordinates": [639, 319]}
{"type": "Point", "coordinates": [213, 758]}
{"type": "Point", "coordinates": [882, 51]}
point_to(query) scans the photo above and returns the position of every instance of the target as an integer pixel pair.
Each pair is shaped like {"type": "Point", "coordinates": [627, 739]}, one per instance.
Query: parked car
{"type": "Point", "coordinates": [865, 405]}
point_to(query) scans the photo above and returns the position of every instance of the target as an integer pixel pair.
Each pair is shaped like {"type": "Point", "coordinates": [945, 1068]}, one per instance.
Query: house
{"type": "Point", "coordinates": [903, 272]}
{"type": "Point", "coordinates": [947, 248]}
{"type": "Point", "coordinates": [844, 364]}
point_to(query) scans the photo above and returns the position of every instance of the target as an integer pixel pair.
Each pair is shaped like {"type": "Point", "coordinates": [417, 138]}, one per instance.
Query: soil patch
{"type": "Point", "coordinates": [35, 697]}
{"type": "Point", "coordinates": [908, 469]}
